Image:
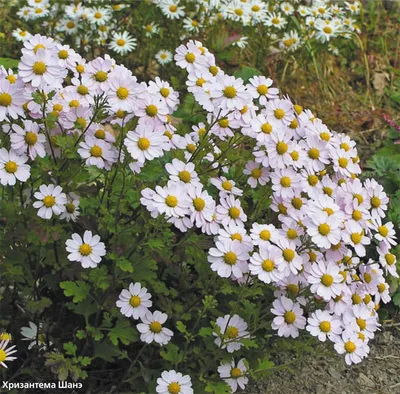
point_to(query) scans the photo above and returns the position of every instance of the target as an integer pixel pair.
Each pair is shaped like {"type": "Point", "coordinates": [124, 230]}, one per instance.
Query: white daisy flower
{"type": "Point", "coordinates": [35, 336]}
{"type": "Point", "coordinates": [323, 325]}
{"type": "Point", "coordinates": [71, 212]}
{"type": "Point", "coordinates": [21, 35]}
{"type": "Point", "coordinates": [98, 153]}
{"type": "Point", "coordinates": [172, 382]}
{"type": "Point", "coordinates": [145, 144]}
{"type": "Point", "coordinates": [354, 348]}
{"type": "Point", "coordinates": [234, 375]}
{"type": "Point", "coordinates": [5, 353]}
{"type": "Point", "coordinates": [11, 100]}
{"type": "Point", "coordinates": [87, 251]}
{"type": "Point", "coordinates": [228, 258]}
{"type": "Point", "coordinates": [122, 43]}
{"type": "Point", "coordinates": [289, 317]}
{"type": "Point", "coordinates": [264, 264]}
{"type": "Point", "coordinates": [13, 167]}
{"type": "Point", "coordinates": [51, 201]}
{"type": "Point", "coordinates": [232, 329]}
{"type": "Point", "coordinates": [164, 57]}
{"type": "Point", "coordinates": [226, 186]}
{"type": "Point", "coordinates": [134, 301]}
{"type": "Point", "coordinates": [152, 329]}
{"type": "Point", "coordinates": [28, 139]}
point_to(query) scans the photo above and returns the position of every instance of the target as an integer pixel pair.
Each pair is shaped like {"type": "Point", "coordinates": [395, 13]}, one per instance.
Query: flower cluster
{"type": "Point", "coordinates": [318, 237]}
{"type": "Point", "coordinates": [99, 23]}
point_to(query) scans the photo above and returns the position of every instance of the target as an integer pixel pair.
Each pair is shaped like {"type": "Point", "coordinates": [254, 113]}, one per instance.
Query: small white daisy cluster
{"type": "Point", "coordinates": [100, 24]}
{"type": "Point", "coordinates": [329, 244]}
{"type": "Point", "coordinates": [88, 23]}
{"type": "Point", "coordinates": [322, 19]}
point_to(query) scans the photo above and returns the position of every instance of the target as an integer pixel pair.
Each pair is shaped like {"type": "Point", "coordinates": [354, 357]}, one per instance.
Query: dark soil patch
{"type": "Point", "coordinates": [313, 374]}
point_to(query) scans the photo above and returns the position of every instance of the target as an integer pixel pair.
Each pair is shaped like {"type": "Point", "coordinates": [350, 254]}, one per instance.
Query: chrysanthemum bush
{"type": "Point", "coordinates": [157, 25]}
{"type": "Point", "coordinates": [158, 246]}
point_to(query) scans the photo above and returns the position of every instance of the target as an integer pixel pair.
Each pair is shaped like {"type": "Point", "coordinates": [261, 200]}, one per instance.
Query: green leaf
{"type": "Point", "coordinates": [396, 299]}
{"type": "Point", "coordinates": [206, 332]}
{"type": "Point", "coordinates": [246, 73]}
{"type": "Point", "coordinates": [124, 264]}
{"type": "Point", "coordinates": [78, 290]}
{"type": "Point", "coordinates": [218, 388]}
{"type": "Point", "coordinates": [172, 353]}
{"type": "Point", "coordinates": [123, 332]}
{"type": "Point", "coordinates": [9, 63]}
{"type": "Point", "coordinates": [70, 349]}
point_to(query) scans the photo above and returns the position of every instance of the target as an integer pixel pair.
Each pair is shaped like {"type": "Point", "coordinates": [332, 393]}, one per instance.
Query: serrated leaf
{"type": "Point", "coordinates": [122, 332]}
{"type": "Point", "coordinates": [78, 290]}
{"type": "Point", "coordinates": [70, 349]}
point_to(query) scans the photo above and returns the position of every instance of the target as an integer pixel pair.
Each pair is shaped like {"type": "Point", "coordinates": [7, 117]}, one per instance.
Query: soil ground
{"type": "Point", "coordinates": [378, 374]}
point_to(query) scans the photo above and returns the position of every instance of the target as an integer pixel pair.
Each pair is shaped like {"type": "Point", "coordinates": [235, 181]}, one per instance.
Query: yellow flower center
{"type": "Point", "coordinates": [324, 229]}
{"type": "Point", "coordinates": [381, 287]}
{"type": "Point", "coordinates": [191, 148]}
{"type": "Point", "coordinates": [155, 327]}
{"type": "Point", "coordinates": [362, 323]}
{"type": "Point", "coordinates": [98, 15]}
{"type": "Point", "coordinates": [5, 99]}
{"type": "Point", "coordinates": [383, 230]}
{"type": "Point", "coordinates": [275, 21]}
{"type": "Point", "coordinates": [31, 138]}
{"type": "Point", "coordinates": [63, 54]}
{"type": "Point", "coordinates": [356, 298]}
{"type": "Point", "coordinates": [313, 256]}
{"type": "Point", "coordinates": [285, 181]}
{"type": "Point", "coordinates": [4, 336]}
{"type": "Point", "coordinates": [350, 347]}
{"type": "Point", "coordinates": [11, 167]}
{"type": "Point", "coordinates": [164, 92]}
{"type": "Point", "coordinates": [190, 57]}
{"type": "Point", "coordinates": [325, 136]}
{"type": "Point", "coordinates": [327, 30]}
{"type": "Point", "coordinates": [96, 151]}
{"type": "Point", "coordinates": [279, 113]}
{"type": "Point", "coordinates": [234, 212]}
{"type": "Point", "coordinates": [230, 258]}
{"type": "Point", "coordinates": [135, 301]}
{"type": "Point", "coordinates": [375, 202]}
{"type": "Point", "coordinates": [390, 258]}
{"type": "Point", "coordinates": [327, 280]}
{"type": "Point", "coordinates": [39, 68]}
{"type": "Point", "coordinates": [329, 211]}
{"type": "Point", "coordinates": [174, 387]}
{"type": "Point", "coordinates": [291, 233]}
{"type": "Point", "coordinates": [312, 180]}
{"type": "Point", "coordinates": [230, 92]}
{"type": "Point", "coordinates": [101, 76]}
{"type": "Point", "coordinates": [223, 123]}
{"type": "Point", "coordinates": [151, 110]}
{"type": "Point", "coordinates": [3, 355]}
{"type": "Point", "coordinates": [231, 332]}
{"type": "Point", "coordinates": [359, 198]}
{"type": "Point", "coordinates": [236, 373]}
{"type": "Point", "coordinates": [185, 176]}
{"type": "Point", "coordinates": [171, 201]}
{"type": "Point", "coordinates": [343, 162]}
{"type": "Point", "coordinates": [11, 78]}
{"type": "Point", "coordinates": [266, 128]}
{"type": "Point", "coordinates": [121, 42]}
{"type": "Point", "coordinates": [356, 238]}
{"type": "Point", "coordinates": [49, 201]}
{"type": "Point", "coordinates": [293, 289]}
{"type": "Point", "coordinates": [70, 25]}
{"type": "Point", "coordinates": [122, 93]}
{"type": "Point", "coordinates": [100, 134]}
{"type": "Point", "coordinates": [199, 204]}
{"type": "Point", "coordinates": [281, 147]}
{"type": "Point", "coordinates": [325, 326]}
{"type": "Point", "coordinates": [227, 185]}
{"type": "Point", "coordinates": [268, 265]}
{"type": "Point", "coordinates": [213, 70]}
{"type": "Point", "coordinates": [289, 317]}
{"type": "Point", "coordinates": [263, 90]}
{"type": "Point", "coordinates": [83, 90]}
{"type": "Point", "coordinates": [173, 8]}
{"type": "Point", "coordinates": [70, 207]}
{"type": "Point", "coordinates": [80, 68]}
{"type": "Point", "coordinates": [288, 255]}
{"type": "Point", "coordinates": [85, 250]}
{"type": "Point", "coordinates": [256, 173]}
{"type": "Point", "coordinates": [81, 122]}
{"type": "Point", "coordinates": [313, 153]}
{"type": "Point", "coordinates": [236, 237]}
{"type": "Point", "coordinates": [74, 103]}
{"type": "Point", "coordinates": [265, 235]}
{"type": "Point", "coordinates": [143, 143]}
